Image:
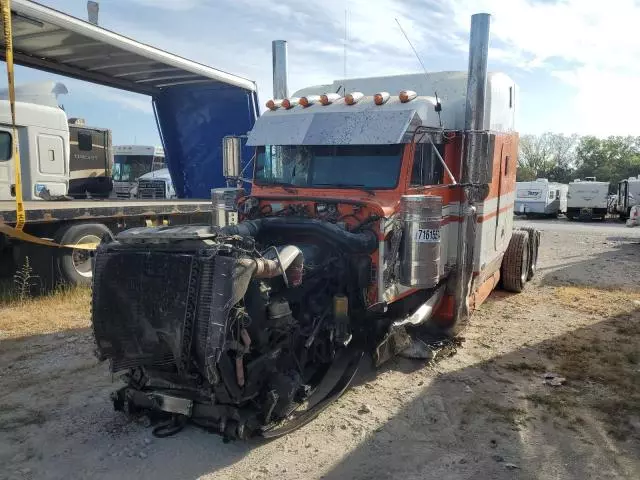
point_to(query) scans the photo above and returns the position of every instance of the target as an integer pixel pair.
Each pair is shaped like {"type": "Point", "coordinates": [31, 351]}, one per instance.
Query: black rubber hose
{"type": "Point", "coordinates": [173, 426]}
{"type": "Point", "coordinates": [362, 242]}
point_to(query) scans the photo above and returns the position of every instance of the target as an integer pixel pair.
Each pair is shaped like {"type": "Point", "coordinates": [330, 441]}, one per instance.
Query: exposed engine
{"type": "Point", "coordinates": [259, 326]}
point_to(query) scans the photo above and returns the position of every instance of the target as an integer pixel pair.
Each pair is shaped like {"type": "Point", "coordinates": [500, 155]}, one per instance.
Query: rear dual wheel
{"type": "Point", "coordinates": [515, 264]}
{"type": "Point", "coordinates": [534, 245]}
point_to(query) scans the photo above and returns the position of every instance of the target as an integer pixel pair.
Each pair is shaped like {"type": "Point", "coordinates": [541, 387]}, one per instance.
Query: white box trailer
{"type": "Point", "coordinates": [628, 196]}
{"type": "Point", "coordinates": [587, 199]}
{"type": "Point", "coordinates": [541, 197]}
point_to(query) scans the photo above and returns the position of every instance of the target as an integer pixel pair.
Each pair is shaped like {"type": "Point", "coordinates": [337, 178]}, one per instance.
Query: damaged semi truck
{"type": "Point", "coordinates": [372, 215]}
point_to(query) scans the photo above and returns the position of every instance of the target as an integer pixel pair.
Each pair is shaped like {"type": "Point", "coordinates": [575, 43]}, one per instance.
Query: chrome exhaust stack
{"type": "Point", "coordinates": [280, 69]}
{"type": "Point", "coordinates": [472, 172]}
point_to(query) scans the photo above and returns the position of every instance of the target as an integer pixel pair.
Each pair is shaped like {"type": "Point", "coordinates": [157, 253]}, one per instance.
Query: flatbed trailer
{"type": "Point", "coordinates": [80, 222]}
{"type": "Point", "coordinates": [179, 90]}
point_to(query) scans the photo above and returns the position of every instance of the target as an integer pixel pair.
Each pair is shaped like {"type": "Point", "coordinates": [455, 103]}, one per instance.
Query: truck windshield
{"type": "Point", "coordinates": [364, 166]}
{"type": "Point", "coordinates": [127, 168]}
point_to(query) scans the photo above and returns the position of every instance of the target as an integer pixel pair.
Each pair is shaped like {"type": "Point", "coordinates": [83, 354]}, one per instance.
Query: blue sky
{"type": "Point", "coordinates": [574, 60]}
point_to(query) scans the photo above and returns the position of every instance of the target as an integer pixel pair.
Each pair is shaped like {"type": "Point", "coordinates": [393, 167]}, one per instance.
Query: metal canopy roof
{"type": "Point", "coordinates": [49, 40]}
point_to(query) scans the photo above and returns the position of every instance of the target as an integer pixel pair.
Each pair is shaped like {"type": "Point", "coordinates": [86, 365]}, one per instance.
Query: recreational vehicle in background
{"type": "Point", "coordinates": [587, 199]}
{"type": "Point", "coordinates": [130, 162]}
{"type": "Point", "coordinates": [90, 160]}
{"type": "Point", "coordinates": [628, 196]}
{"type": "Point", "coordinates": [541, 197]}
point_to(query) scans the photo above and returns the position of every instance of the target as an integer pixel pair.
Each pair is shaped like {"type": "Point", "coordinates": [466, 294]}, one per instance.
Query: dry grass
{"type": "Point", "coordinates": [507, 414]}
{"type": "Point", "coordinates": [597, 301]}
{"type": "Point", "coordinates": [601, 364]}
{"type": "Point", "coordinates": [525, 367]}
{"type": "Point", "coordinates": [65, 309]}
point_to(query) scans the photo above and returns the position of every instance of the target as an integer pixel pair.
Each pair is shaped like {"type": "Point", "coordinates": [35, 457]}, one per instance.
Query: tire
{"type": "Point", "coordinates": [515, 264]}
{"type": "Point", "coordinates": [74, 266]}
{"type": "Point", "coordinates": [534, 245]}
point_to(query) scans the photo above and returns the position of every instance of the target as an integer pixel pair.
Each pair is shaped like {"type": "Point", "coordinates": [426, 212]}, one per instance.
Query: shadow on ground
{"type": "Point", "coordinates": [494, 417]}
{"type": "Point", "coordinates": [498, 418]}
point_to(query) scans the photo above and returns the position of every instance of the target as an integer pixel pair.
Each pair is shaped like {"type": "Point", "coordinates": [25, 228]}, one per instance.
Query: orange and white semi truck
{"type": "Point", "coordinates": [377, 214]}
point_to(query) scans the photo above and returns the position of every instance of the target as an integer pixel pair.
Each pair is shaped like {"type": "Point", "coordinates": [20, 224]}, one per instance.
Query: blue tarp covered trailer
{"type": "Point", "coordinates": [195, 105]}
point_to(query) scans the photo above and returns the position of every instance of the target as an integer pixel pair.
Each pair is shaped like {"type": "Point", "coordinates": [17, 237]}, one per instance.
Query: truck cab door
{"type": "Point", "coordinates": [7, 191]}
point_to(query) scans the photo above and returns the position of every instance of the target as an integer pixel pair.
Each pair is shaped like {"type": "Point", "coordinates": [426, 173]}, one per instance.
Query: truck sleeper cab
{"type": "Point", "coordinates": [43, 136]}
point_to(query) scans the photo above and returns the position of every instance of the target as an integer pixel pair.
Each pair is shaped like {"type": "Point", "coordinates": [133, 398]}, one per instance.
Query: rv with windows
{"type": "Point", "coordinates": [130, 162]}
{"type": "Point", "coordinates": [588, 199]}
{"type": "Point", "coordinates": [628, 196]}
{"type": "Point", "coordinates": [90, 160]}
{"type": "Point", "coordinates": [541, 197]}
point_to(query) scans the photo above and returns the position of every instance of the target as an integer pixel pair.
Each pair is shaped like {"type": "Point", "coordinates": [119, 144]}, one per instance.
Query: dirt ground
{"type": "Point", "coordinates": [481, 413]}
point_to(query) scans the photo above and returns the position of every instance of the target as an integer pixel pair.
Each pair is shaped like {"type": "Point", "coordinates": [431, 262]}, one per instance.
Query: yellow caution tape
{"type": "Point", "coordinates": [26, 237]}
{"type": "Point", "coordinates": [8, 41]}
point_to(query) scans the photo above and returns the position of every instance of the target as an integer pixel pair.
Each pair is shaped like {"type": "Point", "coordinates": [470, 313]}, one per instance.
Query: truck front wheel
{"type": "Point", "coordinates": [515, 264]}
{"type": "Point", "coordinates": [74, 265]}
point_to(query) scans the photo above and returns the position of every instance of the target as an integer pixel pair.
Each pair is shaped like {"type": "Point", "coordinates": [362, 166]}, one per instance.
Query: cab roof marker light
{"type": "Point", "coordinates": [329, 98]}
{"type": "Point", "coordinates": [273, 104]}
{"type": "Point", "coordinates": [353, 98]}
{"type": "Point", "coordinates": [290, 102]}
{"type": "Point", "coordinates": [407, 95]}
{"type": "Point", "coordinates": [381, 98]}
{"type": "Point", "coordinates": [309, 100]}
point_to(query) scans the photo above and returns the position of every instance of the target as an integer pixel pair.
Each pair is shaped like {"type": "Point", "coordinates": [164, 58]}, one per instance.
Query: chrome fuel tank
{"type": "Point", "coordinates": [421, 218]}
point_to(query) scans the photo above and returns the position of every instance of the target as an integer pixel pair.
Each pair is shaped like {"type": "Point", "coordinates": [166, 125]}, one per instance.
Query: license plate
{"type": "Point", "coordinates": [428, 235]}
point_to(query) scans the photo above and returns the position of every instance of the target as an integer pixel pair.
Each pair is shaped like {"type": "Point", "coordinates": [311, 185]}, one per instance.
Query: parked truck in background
{"type": "Point", "coordinates": [43, 135]}
{"type": "Point", "coordinates": [628, 196]}
{"type": "Point", "coordinates": [130, 162]}
{"type": "Point", "coordinates": [373, 214]}
{"type": "Point", "coordinates": [90, 160]}
{"type": "Point", "coordinates": [587, 199]}
{"type": "Point", "coordinates": [156, 184]}
{"type": "Point", "coordinates": [541, 197]}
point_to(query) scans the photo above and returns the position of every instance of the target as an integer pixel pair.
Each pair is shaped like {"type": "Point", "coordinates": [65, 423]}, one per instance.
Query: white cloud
{"type": "Point", "coordinates": [175, 5]}
{"type": "Point", "coordinates": [589, 46]}
{"type": "Point", "coordinates": [126, 100]}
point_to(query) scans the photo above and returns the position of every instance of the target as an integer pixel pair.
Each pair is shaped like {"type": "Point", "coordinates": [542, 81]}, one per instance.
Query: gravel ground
{"type": "Point", "coordinates": [481, 413]}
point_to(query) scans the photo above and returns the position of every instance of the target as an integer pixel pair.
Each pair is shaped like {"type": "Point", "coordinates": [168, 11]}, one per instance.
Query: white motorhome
{"type": "Point", "coordinates": [130, 162]}
{"type": "Point", "coordinates": [628, 196]}
{"type": "Point", "coordinates": [43, 135]}
{"type": "Point", "coordinates": [587, 199]}
{"type": "Point", "coordinates": [541, 197]}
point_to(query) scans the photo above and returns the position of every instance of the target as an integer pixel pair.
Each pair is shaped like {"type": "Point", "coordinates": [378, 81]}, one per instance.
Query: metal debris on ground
{"type": "Point", "coordinates": [553, 379]}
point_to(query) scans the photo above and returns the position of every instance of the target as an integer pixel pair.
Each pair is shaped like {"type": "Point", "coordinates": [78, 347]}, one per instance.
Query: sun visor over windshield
{"type": "Point", "coordinates": [372, 127]}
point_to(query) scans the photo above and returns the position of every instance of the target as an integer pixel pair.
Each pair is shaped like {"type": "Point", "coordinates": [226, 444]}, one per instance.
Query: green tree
{"type": "Point", "coordinates": [610, 159]}
{"type": "Point", "coordinates": [550, 155]}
